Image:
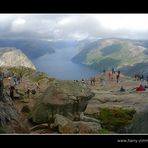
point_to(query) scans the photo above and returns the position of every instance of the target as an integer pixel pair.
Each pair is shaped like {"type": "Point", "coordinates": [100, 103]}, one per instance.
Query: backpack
{"type": "Point", "coordinates": [33, 92]}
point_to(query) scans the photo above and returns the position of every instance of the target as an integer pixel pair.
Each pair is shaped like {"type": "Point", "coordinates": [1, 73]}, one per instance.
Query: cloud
{"type": "Point", "coordinates": [73, 26]}
{"type": "Point", "coordinates": [18, 25]}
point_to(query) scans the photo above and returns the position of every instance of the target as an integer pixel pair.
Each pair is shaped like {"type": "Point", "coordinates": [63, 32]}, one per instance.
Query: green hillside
{"type": "Point", "coordinates": [108, 53]}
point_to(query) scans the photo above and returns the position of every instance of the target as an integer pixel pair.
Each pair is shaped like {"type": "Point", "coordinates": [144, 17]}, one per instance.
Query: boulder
{"type": "Point", "coordinates": [62, 97]}
{"type": "Point", "coordinates": [66, 126]}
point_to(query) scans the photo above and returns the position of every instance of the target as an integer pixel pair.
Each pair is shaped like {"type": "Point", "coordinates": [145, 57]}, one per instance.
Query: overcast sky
{"type": "Point", "coordinates": [74, 26]}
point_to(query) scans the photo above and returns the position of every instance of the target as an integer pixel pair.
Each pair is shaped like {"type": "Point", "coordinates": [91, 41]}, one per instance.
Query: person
{"type": "Point", "coordinates": [122, 89]}
{"type": "Point", "coordinates": [104, 71]}
{"type": "Point", "coordinates": [118, 72]}
{"type": "Point", "coordinates": [15, 79]}
{"type": "Point", "coordinates": [1, 85]}
{"type": "Point", "coordinates": [28, 92]}
{"type": "Point", "coordinates": [117, 78]}
{"type": "Point", "coordinates": [109, 75]}
{"type": "Point", "coordinates": [141, 88]}
{"type": "Point", "coordinates": [12, 88]}
{"type": "Point", "coordinates": [118, 75]}
{"type": "Point", "coordinates": [113, 71]}
{"type": "Point", "coordinates": [92, 80]}
{"type": "Point", "coordinates": [33, 92]}
{"type": "Point", "coordinates": [142, 77]}
{"type": "Point", "coordinates": [82, 81]}
{"type": "Point", "coordinates": [147, 79]}
{"type": "Point", "coordinates": [37, 85]}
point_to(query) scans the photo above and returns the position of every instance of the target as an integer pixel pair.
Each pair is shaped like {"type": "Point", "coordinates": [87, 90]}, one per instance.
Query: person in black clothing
{"type": "Point", "coordinates": [122, 89]}
{"type": "Point", "coordinates": [142, 78]}
{"type": "Point", "coordinates": [118, 75]}
{"type": "Point", "coordinates": [113, 71]}
{"type": "Point", "coordinates": [12, 92]}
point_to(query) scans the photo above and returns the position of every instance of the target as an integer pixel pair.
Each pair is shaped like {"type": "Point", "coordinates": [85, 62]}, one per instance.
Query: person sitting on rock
{"type": "Point", "coordinates": [140, 88]}
{"type": "Point", "coordinates": [122, 89]}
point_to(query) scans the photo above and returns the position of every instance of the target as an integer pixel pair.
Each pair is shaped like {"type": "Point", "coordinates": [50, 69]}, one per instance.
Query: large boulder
{"type": "Point", "coordinates": [66, 126]}
{"type": "Point", "coordinates": [67, 98]}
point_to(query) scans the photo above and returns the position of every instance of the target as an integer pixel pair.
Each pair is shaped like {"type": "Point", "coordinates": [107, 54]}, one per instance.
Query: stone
{"type": "Point", "coordinates": [38, 127]}
{"type": "Point", "coordinates": [88, 119]}
{"type": "Point", "coordinates": [66, 126]}
{"type": "Point", "coordinates": [62, 97]}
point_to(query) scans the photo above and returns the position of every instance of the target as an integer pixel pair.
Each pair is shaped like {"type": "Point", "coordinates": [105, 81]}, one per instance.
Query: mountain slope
{"type": "Point", "coordinates": [109, 53]}
{"type": "Point", "coordinates": [12, 57]}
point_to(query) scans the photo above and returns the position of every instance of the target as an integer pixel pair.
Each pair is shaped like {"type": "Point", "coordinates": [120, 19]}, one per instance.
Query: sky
{"type": "Point", "coordinates": [74, 26]}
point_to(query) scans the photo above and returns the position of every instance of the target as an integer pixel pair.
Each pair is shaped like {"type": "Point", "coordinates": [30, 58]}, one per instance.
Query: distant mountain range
{"type": "Point", "coordinates": [12, 57]}
{"type": "Point", "coordinates": [130, 56]}
{"type": "Point", "coordinates": [33, 48]}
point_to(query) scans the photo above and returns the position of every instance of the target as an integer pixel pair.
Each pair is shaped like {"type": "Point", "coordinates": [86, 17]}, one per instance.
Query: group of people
{"type": "Point", "coordinates": [13, 82]}
{"type": "Point", "coordinates": [139, 77]}
{"type": "Point", "coordinates": [111, 75]}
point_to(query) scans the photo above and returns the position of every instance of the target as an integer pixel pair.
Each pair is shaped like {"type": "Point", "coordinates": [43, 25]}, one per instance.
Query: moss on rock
{"type": "Point", "coordinates": [116, 118]}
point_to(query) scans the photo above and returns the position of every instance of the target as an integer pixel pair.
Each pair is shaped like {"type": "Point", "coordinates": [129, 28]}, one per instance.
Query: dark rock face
{"type": "Point", "coordinates": [8, 115]}
{"type": "Point", "coordinates": [140, 123]}
{"type": "Point", "coordinates": [66, 98]}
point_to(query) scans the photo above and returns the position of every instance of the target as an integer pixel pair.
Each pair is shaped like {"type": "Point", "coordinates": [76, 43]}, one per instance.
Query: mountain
{"type": "Point", "coordinates": [12, 57]}
{"type": "Point", "coordinates": [33, 48]}
{"type": "Point", "coordinates": [117, 53]}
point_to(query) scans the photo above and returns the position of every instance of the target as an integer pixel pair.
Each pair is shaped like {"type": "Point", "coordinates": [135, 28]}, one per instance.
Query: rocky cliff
{"type": "Point", "coordinates": [12, 57]}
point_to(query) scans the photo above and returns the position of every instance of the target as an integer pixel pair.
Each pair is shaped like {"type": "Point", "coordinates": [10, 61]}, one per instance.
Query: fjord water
{"type": "Point", "coordinates": [60, 66]}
